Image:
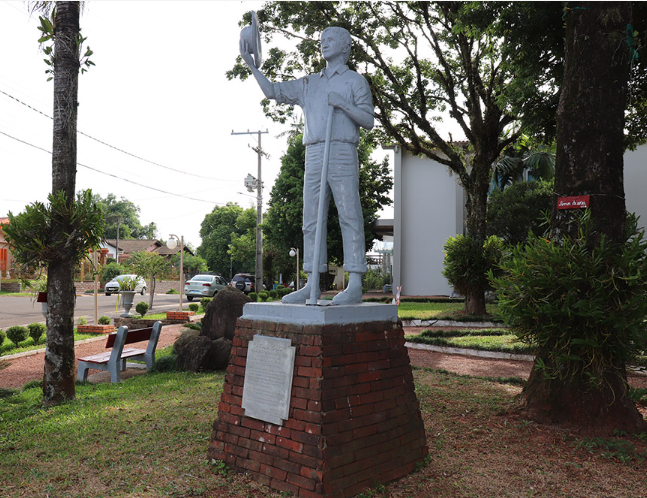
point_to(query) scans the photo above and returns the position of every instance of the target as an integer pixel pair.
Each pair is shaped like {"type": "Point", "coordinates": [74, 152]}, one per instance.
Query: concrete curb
{"type": "Point", "coordinates": [471, 352]}
{"type": "Point", "coordinates": [452, 323]}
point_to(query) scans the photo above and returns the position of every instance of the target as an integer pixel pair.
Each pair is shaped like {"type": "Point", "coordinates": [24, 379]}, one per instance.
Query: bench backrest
{"type": "Point", "coordinates": [150, 334]}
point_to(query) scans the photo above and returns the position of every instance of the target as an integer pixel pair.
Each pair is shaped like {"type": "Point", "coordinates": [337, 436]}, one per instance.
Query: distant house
{"type": "Point", "coordinates": [6, 260]}
{"type": "Point", "coordinates": [130, 246]}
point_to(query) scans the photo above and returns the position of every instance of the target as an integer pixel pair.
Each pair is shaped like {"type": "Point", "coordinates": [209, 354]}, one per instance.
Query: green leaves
{"type": "Point", "coordinates": [41, 232]}
{"type": "Point", "coordinates": [581, 303]}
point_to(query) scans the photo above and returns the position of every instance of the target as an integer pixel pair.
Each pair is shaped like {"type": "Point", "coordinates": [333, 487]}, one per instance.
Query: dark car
{"type": "Point", "coordinates": [243, 282]}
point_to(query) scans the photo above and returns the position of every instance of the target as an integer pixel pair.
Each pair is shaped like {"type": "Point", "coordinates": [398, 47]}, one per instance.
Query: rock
{"type": "Point", "coordinates": [186, 336]}
{"type": "Point", "coordinates": [218, 357]}
{"type": "Point", "coordinates": [193, 353]}
{"type": "Point", "coordinates": [221, 315]}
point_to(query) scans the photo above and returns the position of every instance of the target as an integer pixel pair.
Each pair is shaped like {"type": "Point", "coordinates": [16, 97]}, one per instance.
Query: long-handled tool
{"type": "Point", "coordinates": [321, 219]}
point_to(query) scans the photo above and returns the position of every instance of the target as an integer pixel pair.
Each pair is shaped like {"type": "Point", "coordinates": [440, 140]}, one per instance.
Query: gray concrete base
{"type": "Point", "coordinates": [302, 314]}
{"type": "Point", "coordinates": [471, 352]}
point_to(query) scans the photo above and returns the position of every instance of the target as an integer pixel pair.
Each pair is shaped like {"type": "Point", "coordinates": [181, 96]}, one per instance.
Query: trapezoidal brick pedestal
{"type": "Point", "coordinates": [354, 420]}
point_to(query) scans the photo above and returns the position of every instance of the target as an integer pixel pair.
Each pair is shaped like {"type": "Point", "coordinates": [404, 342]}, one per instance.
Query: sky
{"type": "Point", "coordinates": [158, 92]}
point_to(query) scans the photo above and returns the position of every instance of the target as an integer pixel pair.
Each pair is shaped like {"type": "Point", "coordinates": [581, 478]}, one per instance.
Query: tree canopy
{"type": "Point", "coordinates": [127, 214]}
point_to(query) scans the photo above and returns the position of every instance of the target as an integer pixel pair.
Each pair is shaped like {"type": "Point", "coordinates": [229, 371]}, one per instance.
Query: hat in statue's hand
{"type": "Point", "coordinates": [251, 37]}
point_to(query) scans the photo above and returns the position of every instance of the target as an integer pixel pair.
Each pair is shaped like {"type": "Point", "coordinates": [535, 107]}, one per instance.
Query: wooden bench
{"type": "Point", "coordinates": [115, 361]}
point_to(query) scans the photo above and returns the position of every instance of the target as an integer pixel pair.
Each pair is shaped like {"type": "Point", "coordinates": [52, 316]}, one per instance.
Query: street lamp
{"type": "Point", "coordinates": [172, 244]}
{"type": "Point", "coordinates": [295, 252]}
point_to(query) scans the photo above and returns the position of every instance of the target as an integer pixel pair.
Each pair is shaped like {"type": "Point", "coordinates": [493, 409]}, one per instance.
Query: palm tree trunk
{"type": "Point", "coordinates": [58, 379]}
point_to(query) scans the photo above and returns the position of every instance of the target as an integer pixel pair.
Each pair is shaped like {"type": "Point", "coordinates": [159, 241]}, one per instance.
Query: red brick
{"type": "Point", "coordinates": [308, 371]}
{"type": "Point", "coordinates": [335, 416]}
{"type": "Point", "coordinates": [273, 472]}
{"type": "Point", "coordinates": [303, 382]}
{"type": "Point", "coordinates": [340, 461]}
{"type": "Point", "coordinates": [275, 451]}
{"type": "Point", "coordinates": [223, 407]}
{"type": "Point", "coordinates": [284, 486]}
{"type": "Point", "coordinates": [356, 368]}
{"type": "Point", "coordinates": [372, 397]}
{"type": "Point", "coordinates": [303, 361]}
{"type": "Point", "coordinates": [261, 457]}
{"type": "Point", "coordinates": [310, 351]}
{"type": "Point", "coordinates": [379, 365]}
{"type": "Point", "coordinates": [308, 416]}
{"type": "Point", "coordinates": [307, 394]}
{"type": "Point", "coordinates": [307, 462]}
{"type": "Point", "coordinates": [302, 437]}
{"type": "Point", "coordinates": [249, 444]}
{"type": "Point", "coordinates": [294, 425]}
{"type": "Point", "coordinates": [349, 425]}
{"type": "Point", "coordinates": [235, 450]}
{"type": "Point", "coordinates": [288, 466]}
{"type": "Point", "coordinates": [277, 430]}
{"type": "Point", "coordinates": [253, 424]}
{"type": "Point", "coordinates": [245, 463]}
{"type": "Point", "coordinates": [237, 411]}
{"type": "Point", "coordinates": [239, 431]}
{"type": "Point", "coordinates": [289, 444]}
{"type": "Point", "coordinates": [262, 436]}
{"type": "Point", "coordinates": [312, 429]}
{"type": "Point", "coordinates": [314, 406]}
{"type": "Point", "coordinates": [301, 482]}
{"type": "Point", "coordinates": [369, 376]}
{"type": "Point", "coordinates": [229, 419]}
{"type": "Point", "coordinates": [359, 389]}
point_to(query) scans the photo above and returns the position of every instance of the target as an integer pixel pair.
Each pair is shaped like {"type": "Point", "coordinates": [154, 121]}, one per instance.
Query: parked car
{"type": "Point", "coordinates": [203, 286]}
{"type": "Point", "coordinates": [243, 282]}
{"type": "Point", "coordinates": [113, 287]}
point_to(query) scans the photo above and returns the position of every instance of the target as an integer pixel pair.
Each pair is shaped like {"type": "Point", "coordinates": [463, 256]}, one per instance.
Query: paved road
{"type": "Point", "coordinates": [21, 310]}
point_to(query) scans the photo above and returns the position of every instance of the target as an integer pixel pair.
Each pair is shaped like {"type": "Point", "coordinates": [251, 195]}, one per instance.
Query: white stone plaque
{"type": "Point", "coordinates": [268, 379]}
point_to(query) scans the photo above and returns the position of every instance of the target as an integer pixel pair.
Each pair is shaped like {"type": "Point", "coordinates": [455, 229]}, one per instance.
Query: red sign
{"type": "Point", "coordinates": [576, 202]}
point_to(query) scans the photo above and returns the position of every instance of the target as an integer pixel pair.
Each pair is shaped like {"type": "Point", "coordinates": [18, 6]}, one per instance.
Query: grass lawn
{"type": "Point", "coordinates": [147, 437]}
{"type": "Point", "coordinates": [445, 311]}
{"type": "Point", "coordinates": [500, 340]}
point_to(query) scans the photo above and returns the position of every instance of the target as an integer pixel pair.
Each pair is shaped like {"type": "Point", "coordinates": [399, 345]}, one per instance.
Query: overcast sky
{"type": "Point", "coordinates": [158, 91]}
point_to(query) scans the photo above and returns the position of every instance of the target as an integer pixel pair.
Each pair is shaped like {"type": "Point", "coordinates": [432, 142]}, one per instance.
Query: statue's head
{"type": "Point", "coordinates": [335, 41]}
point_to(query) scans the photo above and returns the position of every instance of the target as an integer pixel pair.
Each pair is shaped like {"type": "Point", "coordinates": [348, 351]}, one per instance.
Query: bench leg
{"type": "Point", "coordinates": [123, 364]}
{"type": "Point", "coordinates": [82, 374]}
{"type": "Point", "coordinates": [115, 372]}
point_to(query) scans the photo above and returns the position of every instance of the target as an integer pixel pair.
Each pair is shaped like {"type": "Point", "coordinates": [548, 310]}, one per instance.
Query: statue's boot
{"type": "Point", "coordinates": [300, 296]}
{"type": "Point", "coordinates": [353, 293]}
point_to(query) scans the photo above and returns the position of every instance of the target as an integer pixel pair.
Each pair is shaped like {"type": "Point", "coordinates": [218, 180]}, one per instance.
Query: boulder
{"type": "Point", "coordinates": [221, 314]}
{"type": "Point", "coordinates": [186, 336]}
{"type": "Point", "coordinates": [193, 353]}
{"type": "Point", "coordinates": [218, 357]}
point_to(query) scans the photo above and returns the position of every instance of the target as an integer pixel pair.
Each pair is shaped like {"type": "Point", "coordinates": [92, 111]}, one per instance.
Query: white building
{"type": "Point", "coordinates": [429, 208]}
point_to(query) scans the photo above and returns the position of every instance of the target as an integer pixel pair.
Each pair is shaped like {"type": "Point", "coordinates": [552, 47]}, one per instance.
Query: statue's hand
{"type": "Point", "coordinates": [336, 100]}
{"type": "Point", "coordinates": [246, 54]}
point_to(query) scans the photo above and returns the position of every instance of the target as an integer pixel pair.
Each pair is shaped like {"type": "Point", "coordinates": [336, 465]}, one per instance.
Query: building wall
{"type": "Point", "coordinates": [636, 183]}
{"type": "Point", "coordinates": [428, 210]}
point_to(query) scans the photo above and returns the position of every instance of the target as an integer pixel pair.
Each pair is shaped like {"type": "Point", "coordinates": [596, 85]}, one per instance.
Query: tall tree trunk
{"type": "Point", "coordinates": [58, 379]}
{"type": "Point", "coordinates": [476, 209]}
{"type": "Point", "coordinates": [589, 161]}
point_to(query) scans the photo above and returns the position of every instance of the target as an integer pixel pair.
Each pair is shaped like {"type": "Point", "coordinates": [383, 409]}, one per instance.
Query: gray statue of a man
{"type": "Point", "coordinates": [349, 94]}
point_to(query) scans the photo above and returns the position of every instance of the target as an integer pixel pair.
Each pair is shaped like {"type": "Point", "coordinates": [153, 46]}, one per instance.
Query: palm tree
{"type": "Point", "coordinates": [58, 379]}
{"type": "Point", "coordinates": [522, 160]}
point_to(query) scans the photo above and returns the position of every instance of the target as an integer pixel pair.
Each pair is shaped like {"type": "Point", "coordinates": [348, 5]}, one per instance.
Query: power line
{"type": "Point", "coordinates": [114, 176]}
{"type": "Point", "coordinates": [117, 148]}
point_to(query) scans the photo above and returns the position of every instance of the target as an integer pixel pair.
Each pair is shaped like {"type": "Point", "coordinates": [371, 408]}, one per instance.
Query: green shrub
{"type": "Point", "coordinates": [104, 320]}
{"type": "Point", "coordinates": [514, 212]}
{"type": "Point", "coordinates": [194, 307]}
{"type": "Point", "coordinates": [467, 263]}
{"type": "Point", "coordinates": [36, 331]}
{"type": "Point", "coordinates": [81, 320]}
{"type": "Point", "coordinates": [110, 271]}
{"type": "Point", "coordinates": [582, 303]}
{"type": "Point", "coordinates": [142, 308]}
{"type": "Point", "coordinates": [204, 302]}
{"type": "Point", "coordinates": [172, 291]}
{"type": "Point", "coordinates": [165, 363]}
{"type": "Point", "coordinates": [263, 295]}
{"type": "Point", "coordinates": [17, 334]}
{"type": "Point", "coordinates": [280, 286]}
{"type": "Point", "coordinates": [273, 294]}
{"type": "Point", "coordinates": [253, 296]}
{"type": "Point", "coordinates": [373, 279]}
{"type": "Point", "coordinates": [2, 336]}
{"type": "Point", "coordinates": [282, 291]}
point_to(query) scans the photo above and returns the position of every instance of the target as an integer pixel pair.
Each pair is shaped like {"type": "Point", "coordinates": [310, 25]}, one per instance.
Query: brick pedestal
{"type": "Point", "coordinates": [354, 419]}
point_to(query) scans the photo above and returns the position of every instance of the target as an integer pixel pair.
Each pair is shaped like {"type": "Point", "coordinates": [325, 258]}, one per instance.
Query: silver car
{"type": "Point", "coordinates": [203, 286]}
{"type": "Point", "coordinates": [112, 287]}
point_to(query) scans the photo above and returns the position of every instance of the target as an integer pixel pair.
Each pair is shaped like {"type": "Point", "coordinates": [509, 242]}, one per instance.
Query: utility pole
{"type": "Point", "coordinates": [251, 184]}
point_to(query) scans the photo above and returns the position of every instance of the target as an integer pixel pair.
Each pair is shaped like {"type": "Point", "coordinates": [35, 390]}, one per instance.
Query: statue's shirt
{"type": "Point", "coordinates": [311, 94]}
